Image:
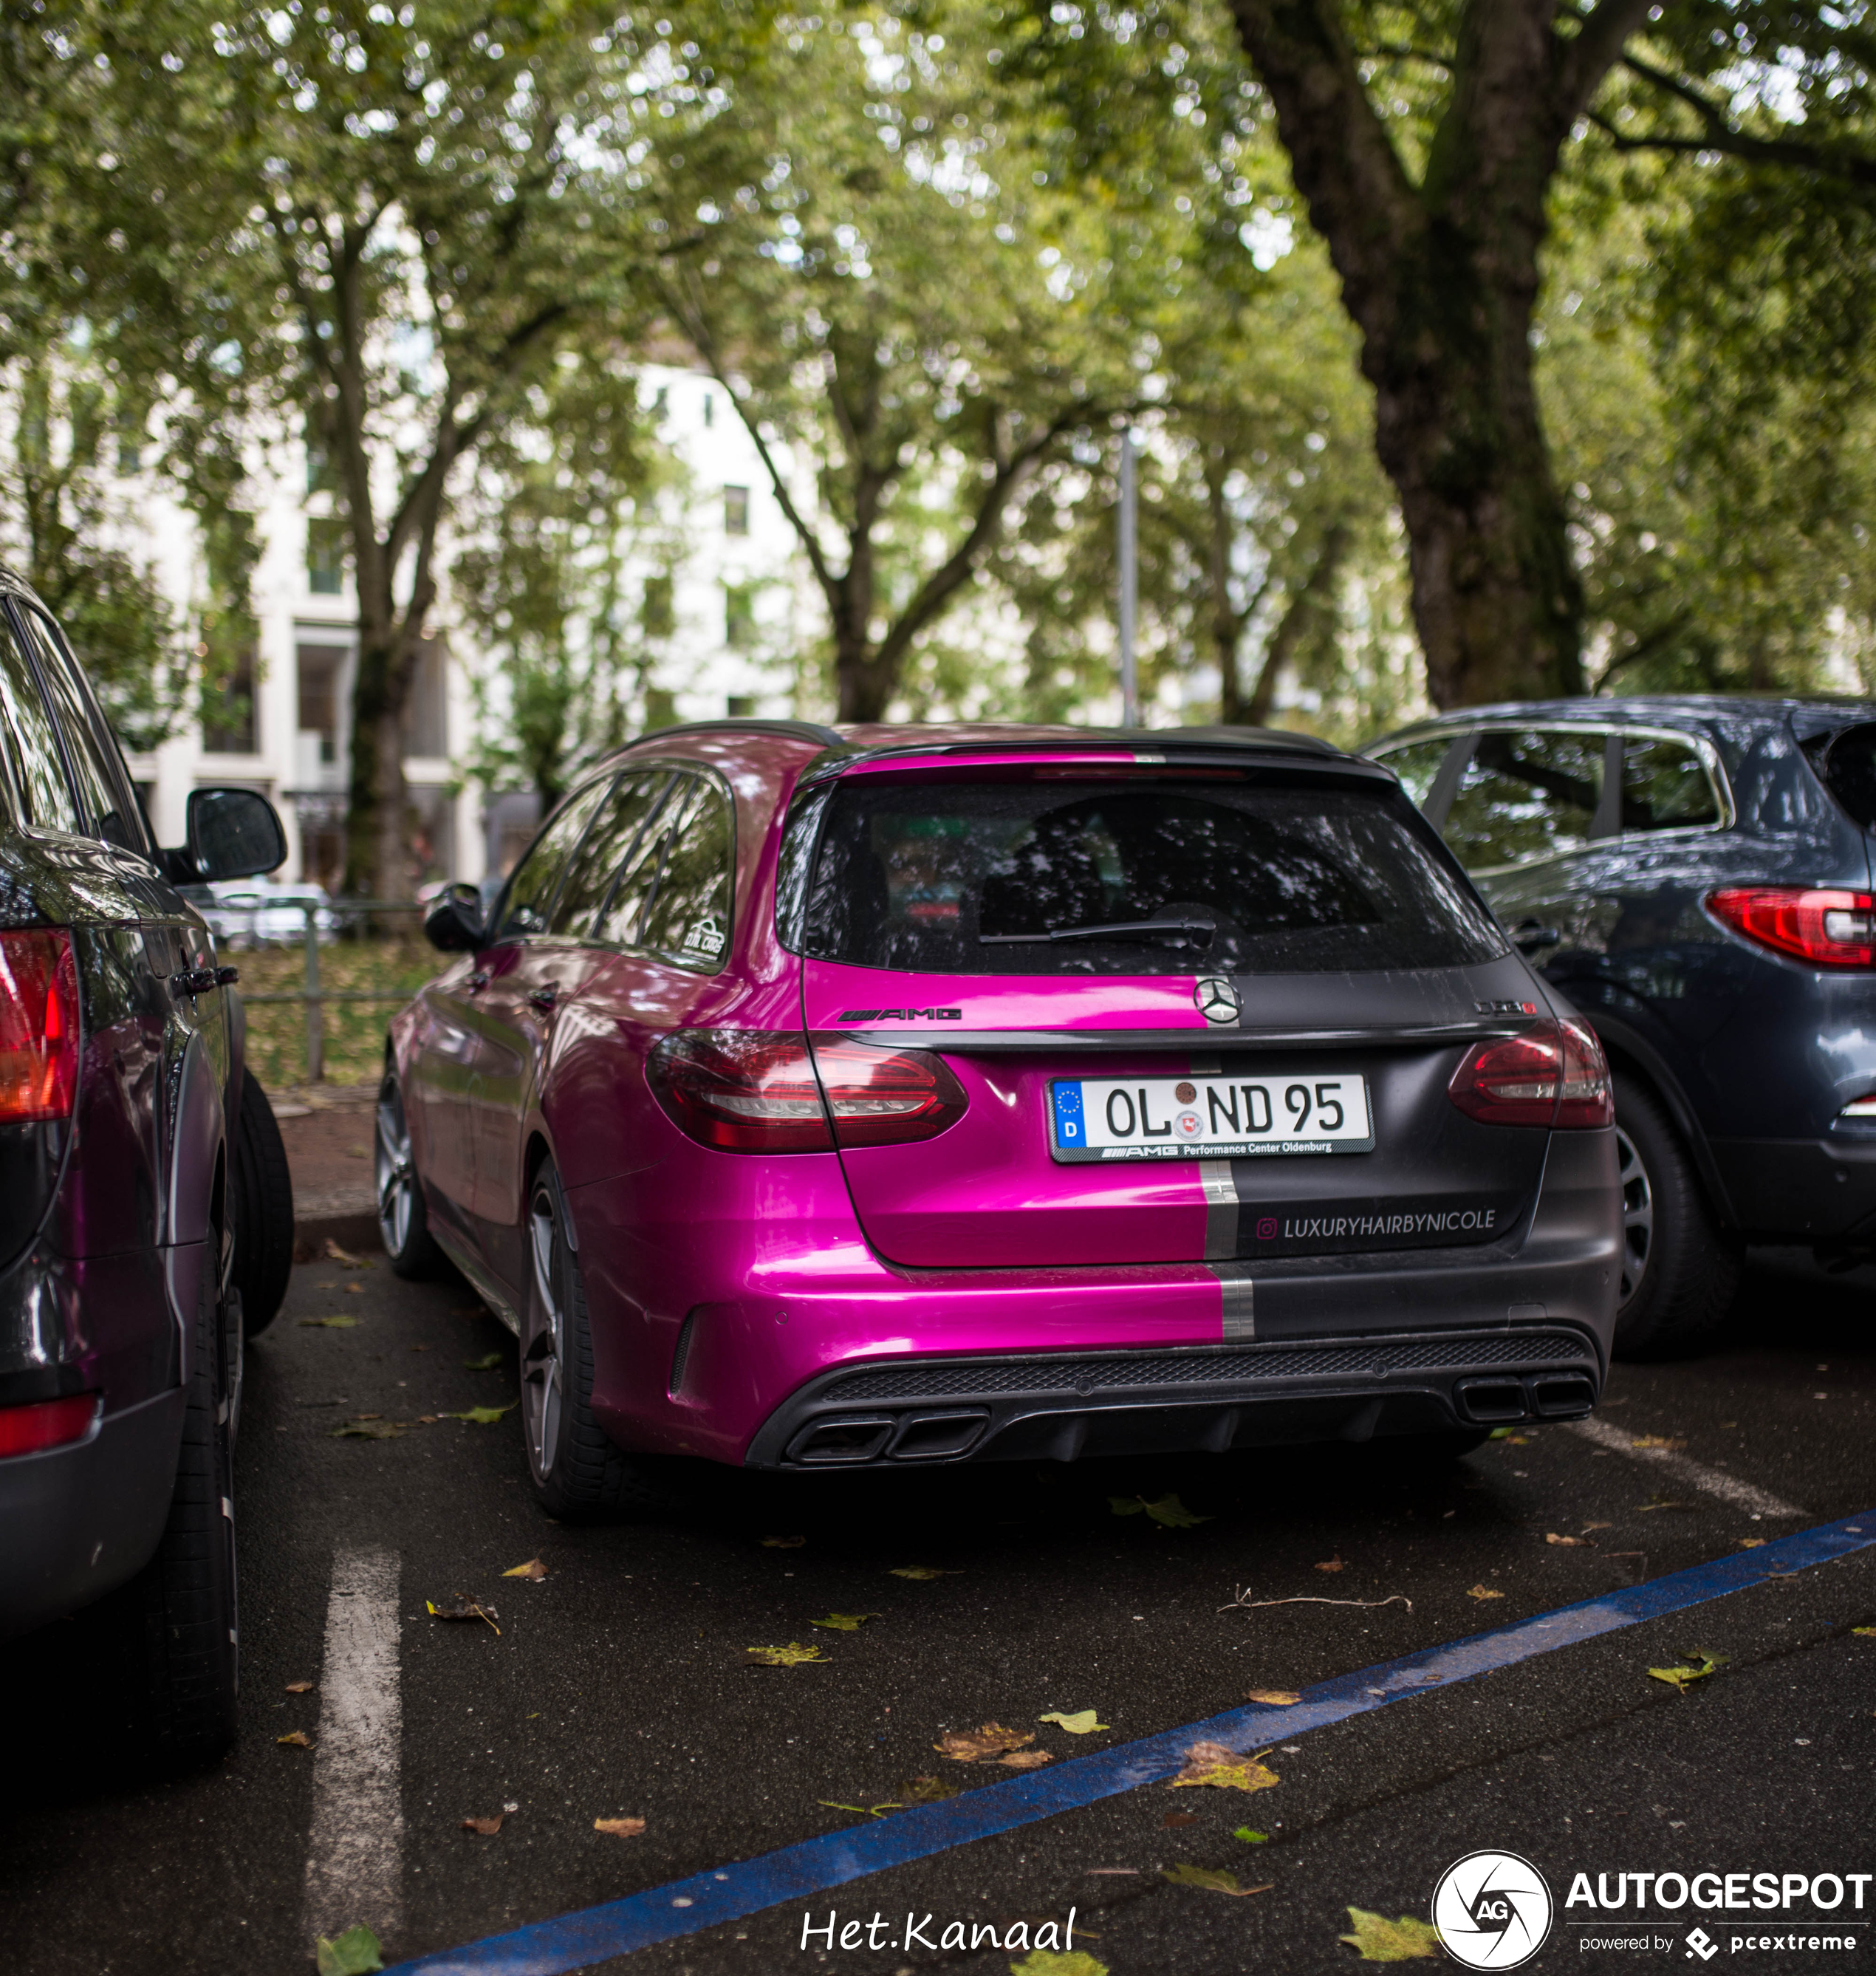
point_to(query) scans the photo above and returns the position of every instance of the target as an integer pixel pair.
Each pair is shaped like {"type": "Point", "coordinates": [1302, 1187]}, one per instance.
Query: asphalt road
{"type": "Point", "coordinates": [619, 1685]}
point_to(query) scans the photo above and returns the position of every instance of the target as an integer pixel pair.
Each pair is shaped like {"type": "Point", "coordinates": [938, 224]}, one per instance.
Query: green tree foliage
{"type": "Point", "coordinates": [568, 512]}
{"type": "Point", "coordinates": [859, 250]}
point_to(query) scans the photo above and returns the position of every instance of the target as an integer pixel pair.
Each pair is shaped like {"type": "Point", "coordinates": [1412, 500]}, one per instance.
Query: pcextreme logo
{"type": "Point", "coordinates": [1491, 1910]}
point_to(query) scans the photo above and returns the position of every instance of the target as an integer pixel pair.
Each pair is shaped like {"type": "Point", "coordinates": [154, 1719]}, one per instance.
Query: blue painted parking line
{"type": "Point", "coordinates": [796, 1873]}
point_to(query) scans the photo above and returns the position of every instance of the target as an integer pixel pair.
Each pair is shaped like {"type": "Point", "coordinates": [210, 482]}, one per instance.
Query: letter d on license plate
{"type": "Point", "coordinates": [1208, 1117]}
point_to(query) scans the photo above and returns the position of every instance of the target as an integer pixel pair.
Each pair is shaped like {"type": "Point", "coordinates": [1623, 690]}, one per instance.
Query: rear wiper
{"type": "Point", "coordinates": [1119, 929]}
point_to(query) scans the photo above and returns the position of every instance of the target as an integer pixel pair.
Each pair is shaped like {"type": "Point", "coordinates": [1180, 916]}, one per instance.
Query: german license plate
{"type": "Point", "coordinates": [1208, 1117]}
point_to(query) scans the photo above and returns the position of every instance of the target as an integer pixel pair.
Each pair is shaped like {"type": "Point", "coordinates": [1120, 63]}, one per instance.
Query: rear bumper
{"type": "Point", "coordinates": [922, 1412]}
{"type": "Point", "coordinates": [75, 1522]}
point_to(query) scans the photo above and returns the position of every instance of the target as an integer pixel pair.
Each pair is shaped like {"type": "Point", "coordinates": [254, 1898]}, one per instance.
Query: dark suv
{"type": "Point", "coordinates": [145, 1215]}
{"type": "Point", "coordinates": [1695, 875]}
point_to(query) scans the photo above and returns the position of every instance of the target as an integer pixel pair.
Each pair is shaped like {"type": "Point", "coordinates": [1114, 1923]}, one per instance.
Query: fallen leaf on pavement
{"type": "Point", "coordinates": [620, 1828]}
{"type": "Point", "coordinates": [1168, 1510]}
{"type": "Point", "coordinates": [534, 1569]}
{"type": "Point", "coordinates": [922, 1572]}
{"type": "Point", "coordinates": [1664, 1503]}
{"type": "Point", "coordinates": [299, 1688]}
{"type": "Point", "coordinates": [330, 1323]}
{"type": "Point", "coordinates": [1865, 1631]}
{"type": "Point", "coordinates": [1332, 1564]}
{"type": "Point", "coordinates": [1510, 1439]}
{"type": "Point", "coordinates": [1376, 1939]}
{"type": "Point", "coordinates": [487, 1827]}
{"type": "Point", "coordinates": [1081, 1723]}
{"type": "Point", "coordinates": [1751, 1543]}
{"type": "Point", "coordinates": [486, 1365]}
{"type": "Point", "coordinates": [1701, 1664]}
{"type": "Point", "coordinates": [1274, 1698]}
{"type": "Point", "coordinates": [981, 1745]}
{"type": "Point", "coordinates": [297, 1739]}
{"type": "Point", "coordinates": [844, 1622]}
{"type": "Point", "coordinates": [371, 1427]}
{"type": "Point", "coordinates": [354, 1953]}
{"type": "Point", "coordinates": [1484, 1591]}
{"type": "Point", "coordinates": [1656, 1441]}
{"type": "Point", "coordinates": [793, 1654]}
{"type": "Point", "coordinates": [1173, 1819]}
{"type": "Point", "coordinates": [464, 1608]}
{"type": "Point", "coordinates": [338, 1255]}
{"type": "Point", "coordinates": [1212, 1763]}
{"type": "Point", "coordinates": [1211, 1878]}
{"type": "Point", "coordinates": [1251, 1838]}
{"type": "Point", "coordinates": [927, 1790]}
{"type": "Point", "coordinates": [866, 1811]}
{"type": "Point", "coordinates": [1023, 1760]}
{"type": "Point", "coordinates": [783, 1543]}
{"type": "Point", "coordinates": [1049, 1962]}
{"type": "Point", "coordinates": [354, 1290]}
{"type": "Point", "coordinates": [482, 1416]}
{"type": "Point", "coordinates": [1588, 1527]}
{"type": "Point", "coordinates": [428, 1420]}
{"type": "Point", "coordinates": [1570, 1543]}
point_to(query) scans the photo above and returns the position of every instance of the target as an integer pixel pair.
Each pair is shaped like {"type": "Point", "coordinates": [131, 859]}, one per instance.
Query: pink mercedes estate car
{"type": "Point", "coordinates": [822, 1097]}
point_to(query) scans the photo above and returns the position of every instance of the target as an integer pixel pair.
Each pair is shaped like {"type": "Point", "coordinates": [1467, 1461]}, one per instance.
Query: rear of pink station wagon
{"type": "Point", "coordinates": [1182, 1099]}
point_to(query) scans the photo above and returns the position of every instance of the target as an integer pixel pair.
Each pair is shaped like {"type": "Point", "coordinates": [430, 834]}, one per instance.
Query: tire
{"type": "Point", "coordinates": [578, 1474]}
{"type": "Point", "coordinates": [178, 1619]}
{"type": "Point", "coordinates": [403, 1215]}
{"type": "Point", "coordinates": [263, 1211]}
{"type": "Point", "coordinates": [1681, 1267]}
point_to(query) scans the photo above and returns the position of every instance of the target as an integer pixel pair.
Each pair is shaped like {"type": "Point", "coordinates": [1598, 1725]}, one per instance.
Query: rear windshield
{"type": "Point", "coordinates": [971, 877]}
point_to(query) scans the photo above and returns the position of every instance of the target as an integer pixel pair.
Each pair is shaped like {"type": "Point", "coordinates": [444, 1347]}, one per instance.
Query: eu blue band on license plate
{"type": "Point", "coordinates": [1103, 1118]}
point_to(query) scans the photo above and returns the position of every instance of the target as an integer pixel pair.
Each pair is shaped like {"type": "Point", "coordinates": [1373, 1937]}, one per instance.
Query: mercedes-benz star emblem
{"type": "Point", "coordinates": [1216, 998]}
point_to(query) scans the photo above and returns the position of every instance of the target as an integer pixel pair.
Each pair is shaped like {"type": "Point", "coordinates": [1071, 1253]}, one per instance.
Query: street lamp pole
{"type": "Point", "coordinates": [1130, 588]}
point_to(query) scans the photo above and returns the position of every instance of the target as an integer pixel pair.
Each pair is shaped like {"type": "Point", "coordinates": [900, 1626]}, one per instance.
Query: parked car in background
{"type": "Point", "coordinates": [883, 1097]}
{"type": "Point", "coordinates": [1695, 874]}
{"type": "Point", "coordinates": [146, 1212]}
{"type": "Point", "coordinates": [252, 912]}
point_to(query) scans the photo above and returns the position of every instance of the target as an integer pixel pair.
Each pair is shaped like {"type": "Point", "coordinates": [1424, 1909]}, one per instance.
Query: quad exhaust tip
{"type": "Point", "coordinates": [1497, 1402]}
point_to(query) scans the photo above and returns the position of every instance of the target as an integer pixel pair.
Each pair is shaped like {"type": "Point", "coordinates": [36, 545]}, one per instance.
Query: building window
{"type": "Point", "coordinates": [319, 667]}
{"type": "Point", "coordinates": [425, 719]}
{"type": "Point", "coordinates": [742, 706]}
{"type": "Point", "coordinates": [735, 510]}
{"type": "Point", "coordinates": [739, 616]}
{"type": "Point", "coordinates": [229, 727]}
{"type": "Point", "coordinates": [325, 556]}
{"type": "Point", "coordinates": [660, 708]}
{"type": "Point", "coordinates": [709, 408]}
{"type": "Point", "coordinates": [320, 477]}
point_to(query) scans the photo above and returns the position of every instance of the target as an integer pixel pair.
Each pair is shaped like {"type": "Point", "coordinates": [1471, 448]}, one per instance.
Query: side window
{"type": "Point", "coordinates": [1417, 763]}
{"type": "Point", "coordinates": [1527, 793]}
{"type": "Point", "coordinates": [1665, 785]}
{"type": "Point", "coordinates": [32, 748]}
{"type": "Point", "coordinates": [608, 844]}
{"type": "Point", "coordinates": [620, 917]}
{"type": "Point", "coordinates": [687, 920]}
{"type": "Point", "coordinates": [103, 797]}
{"type": "Point", "coordinates": [529, 897]}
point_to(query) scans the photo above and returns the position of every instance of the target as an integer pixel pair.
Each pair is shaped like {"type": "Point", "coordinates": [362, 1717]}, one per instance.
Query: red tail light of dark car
{"type": "Point", "coordinates": [1554, 1074]}
{"type": "Point", "coordinates": [39, 1025]}
{"type": "Point", "coordinates": [753, 1090]}
{"type": "Point", "coordinates": [1821, 927]}
{"type": "Point", "coordinates": [44, 1424]}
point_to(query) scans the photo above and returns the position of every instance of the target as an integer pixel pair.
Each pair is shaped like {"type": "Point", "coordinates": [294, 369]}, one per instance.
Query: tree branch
{"type": "Point", "coordinates": [1593, 51]}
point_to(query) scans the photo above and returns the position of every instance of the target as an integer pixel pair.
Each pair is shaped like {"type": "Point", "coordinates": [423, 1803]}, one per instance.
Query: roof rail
{"type": "Point", "coordinates": [797, 730]}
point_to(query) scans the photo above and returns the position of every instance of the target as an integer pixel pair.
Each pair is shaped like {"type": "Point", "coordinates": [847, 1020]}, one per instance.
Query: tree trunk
{"type": "Point", "coordinates": [1441, 278]}
{"type": "Point", "coordinates": [377, 863]}
{"type": "Point", "coordinates": [1304, 603]}
{"type": "Point", "coordinates": [1227, 623]}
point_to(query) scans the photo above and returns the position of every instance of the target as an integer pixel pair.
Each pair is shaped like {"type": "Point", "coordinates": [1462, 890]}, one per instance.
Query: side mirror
{"type": "Point", "coordinates": [454, 923]}
{"type": "Point", "coordinates": [233, 833]}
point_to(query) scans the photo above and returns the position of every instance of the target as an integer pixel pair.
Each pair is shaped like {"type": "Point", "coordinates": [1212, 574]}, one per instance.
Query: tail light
{"type": "Point", "coordinates": [39, 1025]}
{"type": "Point", "coordinates": [1824, 929]}
{"type": "Point", "coordinates": [886, 1098]}
{"type": "Point", "coordinates": [755, 1091]}
{"type": "Point", "coordinates": [742, 1091]}
{"type": "Point", "coordinates": [1554, 1074]}
{"type": "Point", "coordinates": [46, 1424]}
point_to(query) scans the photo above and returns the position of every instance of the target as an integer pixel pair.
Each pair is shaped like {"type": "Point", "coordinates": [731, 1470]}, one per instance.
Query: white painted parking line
{"type": "Point", "coordinates": [1696, 1474]}
{"type": "Point", "coordinates": [354, 1857]}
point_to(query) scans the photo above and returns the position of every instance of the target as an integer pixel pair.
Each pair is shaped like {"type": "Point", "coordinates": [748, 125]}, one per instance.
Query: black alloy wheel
{"type": "Point", "coordinates": [262, 1210]}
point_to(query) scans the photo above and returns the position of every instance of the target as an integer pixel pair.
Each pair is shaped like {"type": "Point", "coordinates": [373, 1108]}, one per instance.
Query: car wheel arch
{"type": "Point", "coordinates": [1628, 1052]}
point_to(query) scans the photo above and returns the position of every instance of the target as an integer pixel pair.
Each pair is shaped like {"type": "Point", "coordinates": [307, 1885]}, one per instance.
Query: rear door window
{"type": "Point", "coordinates": [687, 920]}
{"type": "Point", "coordinates": [529, 900]}
{"type": "Point", "coordinates": [615, 832]}
{"type": "Point", "coordinates": [1526, 793]}
{"type": "Point", "coordinates": [1273, 877]}
{"type": "Point", "coordinates": [1665, 785]}
{"type": "Point", "coordinates": [33, 752]}
{"type": "Point", "coordinates": [105, 800]}
{"type": "Point", "coordinates": [1418, 763]}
